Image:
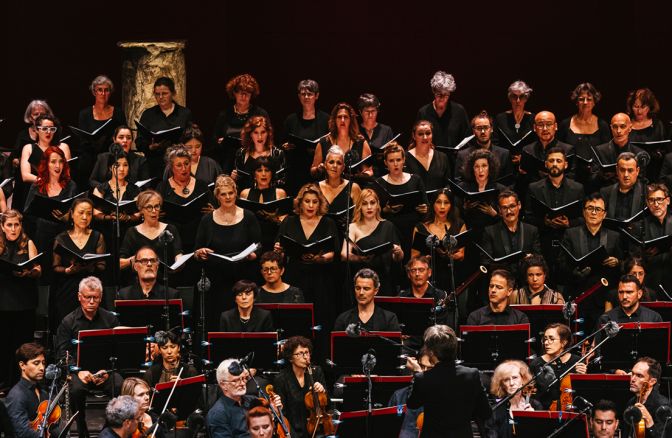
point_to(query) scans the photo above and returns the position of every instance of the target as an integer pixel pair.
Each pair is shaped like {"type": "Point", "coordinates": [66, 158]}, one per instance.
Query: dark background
{"type": "Point", "coordinates": [53, 51]}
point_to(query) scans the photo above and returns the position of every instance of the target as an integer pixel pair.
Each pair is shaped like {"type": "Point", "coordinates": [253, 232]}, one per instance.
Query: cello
{"type": "Point", "coordinates": [316, 402]}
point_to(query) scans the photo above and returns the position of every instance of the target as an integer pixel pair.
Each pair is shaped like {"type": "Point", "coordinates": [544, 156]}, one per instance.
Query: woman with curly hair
{"type": "Point", "coordinates": [257, 141]}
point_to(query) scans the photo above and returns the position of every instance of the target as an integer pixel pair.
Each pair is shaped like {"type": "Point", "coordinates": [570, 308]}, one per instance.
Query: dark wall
{"type": "Point", "coordinates": [349, 47]}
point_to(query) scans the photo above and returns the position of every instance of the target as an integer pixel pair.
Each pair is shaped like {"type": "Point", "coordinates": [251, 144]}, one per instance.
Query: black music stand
{"type": "Point", "coordinates": [293, 319]}
{"type": "Point", "coordinates": [385, 422]}
{"type": "Point", "coordinates": [637, 339]}
{"type": "Point", "coordinates": [539, 424]}
{"type": "Point", "coordinates": [347, 352]}
{"type": "Point", "coordinates": [414, 314]}
{"type": "Point", "coordinates": [354, 389]}
{"type": "Point", "coordinates": [150, 313]}
{"type": "Point", "coordinates": [602, 386]}
{"type": "Point", "coordinates": [117, 348]}
{"type": "Point", "coordinates": [540, 315]}
{"type": "Point", "coordinates": [185, 397]}
{"type": "Point", "coordinates": [224, 345]}
{"type": "Point", "coordinates": [485, 346]}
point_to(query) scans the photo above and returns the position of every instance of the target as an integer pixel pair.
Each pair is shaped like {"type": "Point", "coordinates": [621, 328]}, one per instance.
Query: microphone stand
{"type": "Point", "coordinates": [452, 244]}
{"type": "Point", "coordinates": [348, 162]}
{"type": "Point", "coordinates": [565, 425]}
{"type": "Point", "coordinates": [116, 225]}
{"type": "Point", "coordinates": [166, 307]}
{"type": "Point", "coordinates": [367, 367]}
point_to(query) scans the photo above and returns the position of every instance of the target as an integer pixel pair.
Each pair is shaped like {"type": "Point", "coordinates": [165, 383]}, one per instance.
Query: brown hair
{"type": "Point", "coordinates": [244, 82]}
{"type": "Point", "coordinates": [28, 351]}
{"type": "Point", "coordinates": [129, 384]}
{"type": "Point", "coordinates": [252, 124]}
{"type": "Point", "coordinates": [353, 130]}
{"type": "Point", "coordinates": [393, 148]}
{"type": "Point", "coordinates": [23, 238]}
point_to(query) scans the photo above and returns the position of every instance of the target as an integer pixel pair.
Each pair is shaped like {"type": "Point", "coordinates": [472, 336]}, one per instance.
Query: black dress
{"type": "Point", "coordinates": [63, 290]}
{"type": "Point", "coordinates": [245, 164]}
{"type": "Point", "coordinates": [299, 159]}
{"type": "Point", "coordinates": [292, 394]}
{"type": "Point", "coordinates": [506, 122]}
{"type": "Point", "coordinates": [269, 228]}
{"type": "Point", "coordinates": [340, 204]}
{"type": "Point", "coordinates": [438, 174]}
{"type": "Point", "coordinates": [582, 146]}
{"type": "Point", "coordinates": [207, 170]}
{"type": "Point", "coordinates": [137, 169]}
{"type": "Point", "coordinates": [357, 150]}
{"type": "Point", "coordinates": [87, 151]}
{"type": "Point", "coordinates": [260, 321]}
{"type": "Point", "coordinates": [442, 279]}
{"type": "Point", "coordinates": [230, 123]}
{"type": "Point", "coordinates": [133, 240]}
{"type": "Point", "coordinates": [380, 136]}
{"type": "Point", "coordinates": [226, 240]}
{"type": "Point", "coordinates": [18, 301]}
{"type": "Point", "coordinates": [382, 264]}
{"type": "Point", "coordinates": [290, 295]}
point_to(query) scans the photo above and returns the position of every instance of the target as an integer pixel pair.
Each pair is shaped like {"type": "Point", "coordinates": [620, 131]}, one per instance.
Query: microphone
{"type": "Point", "coordinates": [330, 363]}
{"type": "Point", "coordinates": [448, 242]}
{"type": "Point", "coordinates": [354, 330]}
{"type": "Point", "coordinates": [582, 404]}
{"type": "Point", "coordinates": [203, 284]}
{"type": "Point", "coordinates": [116, 149]}
{"type": "Point", "coordinates": [569, 310]}
{"type": "Point", "coordinates": [432, 241]}
{"type": "Point", "coordinates": [643, 158]}
{"type": "Point", "coordinates": [195, 421]}
{"type": "Point", "coordinates": [166, 236]}
{"type": "Point", "coordinates": [632, 415]}
{"type": "Point", "coordinates": [663, 413]}
{"type": "Point", "coordinates": [237, 367]}
{"type": "Point", "coordinates": [351, 156]}
{"type": "Point", "coordinates": [611, 328]}
{"type": "Point", "coordinates": [546, 376]}
{"type": "Point", "coordinates": [52, 372]}
{"type": "Point", "coordinates": [369, 360]}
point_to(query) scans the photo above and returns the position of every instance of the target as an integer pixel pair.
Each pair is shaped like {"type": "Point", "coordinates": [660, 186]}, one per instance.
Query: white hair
{"type": "Point", "coordinates": [521, 87]}
{"type": "Point", "coordinates": [91, 283]}
{"type": "Point", "coordinates": [443, 82]}
{"type": "Point", "coordinates": [223, 369]}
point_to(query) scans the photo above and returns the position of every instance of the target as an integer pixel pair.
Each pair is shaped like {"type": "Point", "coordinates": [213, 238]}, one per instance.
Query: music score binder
{"type": "Point", "coordinates": [458, 147]}
{"type": "Point", "coordinates": [514, 146]}
{"type": "Point", "coordinates": [172, 134]}
{"type": "Point", "coordinates": [224, 345]}
{"type": "Point", "coordinates": [294, 319]}
{"type": "Point", "coordinates": [571, 209]}
{"type": "Point", "coordinates": [634, 340]}
{"type": "Point", "coordinates": [594, 387]}
{"type": "Point", "coordinates": [593, 258]}
{"type": "Point", "coordinates": [84, 259]}
{"type": "Point", "coordinates": [187, 212]}
{"type": "Point", "coordinates": [127, 345]}
{"type": "Point", "coordinates": [414, 314]}
{"type": "Point", "coordinates": [535, 424]}
{"type": "Point", "coordinates": [42, 206]}
{"type": "Point", "coordinates": [347, 352]}
{"type": "Point", "coordinates": [353, 387]}
{"type": "Point", "coordinates": [385, 422]}
{"type": "Point", "coordinates": [281, 206]}
{"type": "Point", "coordinates": [150, 313]}
{"type": "Point", "coordinates": [185, 397]}
{"type": "Point", "coordinates": [296, 249]}
{"type": "Point", "coordinates": [109, 207]}
{"type": "Point", "coordinates": [485, 196]}
{"type": "Point", "coordinates": [7, 267]}
{"type": "Point", "coordinates": [485, 346]}
{"type": "Point", "coordinates": [373, 250]}
{"type": "Point", "coordinates": [86, 135]}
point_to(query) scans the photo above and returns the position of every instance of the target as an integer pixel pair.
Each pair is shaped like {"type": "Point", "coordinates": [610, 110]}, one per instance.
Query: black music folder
{"type": "Point", "coordinates": [187, 212]}
{"type": "Point", "coordinates": [108, 207]}
{"type": "Point", "coordinates": [509, 258]}
{"type": "Point", "coordinates": [347, 352]}
{"type": "Point", "coordinates": [185, 399]}
{"type": "Point", "coordinates": [295, 249]}
{"type": "Point", "coordinates": [513, 146]}
{"type": "Point", "coordinates": [368, 161]}
{"type": "Point", "coordinates": [279, 206]}
{"type": "Point", "coordinates": [145, 183]}
{"type": "Point", "coordinates": [292, 319]}
{"type": "Point", "coordinates": [81, 258]}
{"type": "Point", "coordinates": [122, 348]}
{"type": "Point", "coordinates": [593, 258]}
{"type": "Point", "coordinates": [371, 251]}
{"type": "Point", "coordinates": [172, 134]}
{"type": "Point", "coordinates": [149, 313]}
{"type": "Point", "coordinates": [338, 215]}
{"type": "Point", "coordinates": [305, 143]}
{"type": "Point", "coordinates": [617, 224]}
{"type": "Point", "coordinates": [409, 200]}
{"type": "Point", "coordinates": [455, 149]}
{"type": "Point", "coordinates": [484, 196]}
{"type": "Point", "coordinates": [7, 267]}
{"type": "Point", "coordinates": [43, 206]}
{"type": "Point", "coordinates": [663, 243]}
{"type": "Point", "coordinates": [224, 345]}
{"type": "Point", "coordinates": [536, 424]}
{"type": "Point", "coordinates": [236, 257]}
{"type": "Point", "coordinates": [485, 346]}
{"type": "Point", "coordinates": [531, 164]}
{"type": "Point", "coordinates": [6, 181]}
{"type": "Point", "coordinates": [604, 166]}
{"type": "Point", "coordinates": [571, 209]}
{"type": "Point", "coordinates": [86, 135]}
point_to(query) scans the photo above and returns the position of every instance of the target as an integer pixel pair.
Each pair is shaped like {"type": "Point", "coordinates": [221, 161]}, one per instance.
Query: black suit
{"type": "Point", "coordinates": [538, 151]}
{"type": "Point", "coordinates": [449, 415]}
{"type": "Point", "coordinates": [614, 202]}
{"type": "Point", "coordinates": [498, 241]}
{"type": "Point", "coordinates": [608, 154]}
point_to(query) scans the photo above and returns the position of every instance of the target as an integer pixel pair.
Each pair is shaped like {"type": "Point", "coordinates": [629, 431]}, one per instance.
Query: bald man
{"type": "Point", "coordinates": [621, 126]}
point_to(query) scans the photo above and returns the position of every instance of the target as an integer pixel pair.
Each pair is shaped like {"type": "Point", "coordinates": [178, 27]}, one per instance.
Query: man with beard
{"type": "Point", "coordinates": [625, 198]}
{"type": "Point", "coordinates": [621, 126]}
{"type": "Point", "coordinates": [644, 379]}
{"type": "Point", "coordinates": [629, 307]}
{"type": "Point", "coordinates": [481, 127]}
{"type": "Point", "coordinates": [146, 287]}
{"type": "Point", "coordinates": [553, 191]}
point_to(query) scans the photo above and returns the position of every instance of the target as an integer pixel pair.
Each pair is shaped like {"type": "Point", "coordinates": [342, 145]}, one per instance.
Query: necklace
{"type": "Point", "coordinates": [185, 189]}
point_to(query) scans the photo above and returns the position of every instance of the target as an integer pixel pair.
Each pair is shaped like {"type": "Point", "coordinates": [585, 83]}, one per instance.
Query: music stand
{"type": "Point", "coordinates": [150, 313]}
{"type": "Point", "coordinates": [347, 352]}
{"type": "Point", "coordinates": [117, 348]}
{"type": "Point", "coordinates": [540, 315]}
{"type": "Point", "coordinates": [637, 339]}
{"type": "Point", "coordinates": [384, 422]}
{"type": "Point", "coordinates": [536, 424]}
{"type": "Point", "coordinates": [414, 314]}
{"type": "Point", "coordinates": [354, 389]}
{"type": "Point", "coordinates": [185, 398]}
{"type": "Point", "coordinates": [664, 308]}
{"type": "Point", "coordinates": [602, 386]}
{"type": "Point", "coordinates": [293, 319]}
{"type": "Point", "coordinates": [224, 345]}
{"type": "Point", "coordinates": [485, 346]}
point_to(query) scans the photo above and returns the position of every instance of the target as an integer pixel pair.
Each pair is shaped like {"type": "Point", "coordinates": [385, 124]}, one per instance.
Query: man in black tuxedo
{"type": "Point", "coordinates": [553, 191]}
{"type": "Point", "coordinates": [621, 126]}
{"type": "Point", "coordinates": [626, 197]}
{"type": "Point", "coordinates": [509, 236]}
{"type": "Point", "coordinates": [447, 415]}
{"type": "Point", "coordinates": [481, 127]}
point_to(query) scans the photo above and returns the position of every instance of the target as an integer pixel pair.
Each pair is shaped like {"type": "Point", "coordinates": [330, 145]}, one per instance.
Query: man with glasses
{"type": "Point", "coordinates": [482, 128]}
{"type": "Point", "coordinates": [146, 286]}
{"type": "Point", "coordinates": [449, 120]}
{"type": "Point", "coordinates": [509, 236]}
{"type": "Point", "coordinates": [89, 316]}
{"type": "Point", "coordinates": [607, 153]}
{"type": "Point", "coordinates": [419, 272]}
{"type": "Point", "coordinates": [625, 198]}
{"type": "Point", "coordinates": [227, 417]}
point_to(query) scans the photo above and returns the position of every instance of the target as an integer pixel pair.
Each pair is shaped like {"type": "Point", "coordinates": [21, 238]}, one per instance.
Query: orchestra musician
{"type": "Point", "coordinates": [122, 416]}
{"type": "Point", "coordinates": [141, 393]}
{"type": "Point", "coordinates": [167, 365]}
{"type": "Point", "coordinates": [644, 384]}
{"type": "Point", "coordinates": [604, 421]}
{"type": "Point", "coordinates": [24, 398]}
{"type": "Point", "coordinates": [498, 311]}
{"type": "Point", "coordinates": [260, 422]}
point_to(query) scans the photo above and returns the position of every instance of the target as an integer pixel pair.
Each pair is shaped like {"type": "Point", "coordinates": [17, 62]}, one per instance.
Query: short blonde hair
{"type": "Point", "coordinates": [314, 189]}
{"type": "Point", "coordinates": [224, 181]}
{"type": "Point", "coordinates": [145, 196]}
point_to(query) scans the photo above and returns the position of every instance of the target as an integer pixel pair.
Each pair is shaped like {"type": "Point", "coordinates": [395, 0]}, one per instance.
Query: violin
{"type": "Point", "coordinates": [282, 428]}
{"type": "Point", "coordinates": [640, 431]}
{"type": "Point", "coordinates": [316, 402]}
{"type": "Point", "coordinates": [140, 432]}
{"type": "Point", "coordinates": [48, 414]}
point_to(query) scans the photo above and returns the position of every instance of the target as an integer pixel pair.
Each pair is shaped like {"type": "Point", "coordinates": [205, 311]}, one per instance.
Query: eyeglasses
{"type": "Point", "coordinates": [442, 95]}
{"type": "Point", "coordinates": [47, 128]}
{"type": "Point", "coordinates": [542, 125]}
{"type": "Point", "coordinates": [549, 339]}
{"type": "Point", "coordinates": [270, 270]}
{"type": "Point", "coordinates": [481, 128]}
{"type": "Point", "coordinates": [102, 90]}
{"type": "Point", "coordinates": [301, 353]}
{"type": "Point", "coordinates": [95, 299]}
{"type": "Point", "coordinates": [593, 209]}
{"type": "Point", "coordinates": [517, 97]}
{"type": "Point", "coordinates": [657, 201]}
{"type": "Point", "coordinates": [237, 381]}
{"type": "Point", "coordinates": [511, 207]}
{"type": "Point", "coordinates": [147, 262]}
{"type": "Point", "coordinates": [152, 207]}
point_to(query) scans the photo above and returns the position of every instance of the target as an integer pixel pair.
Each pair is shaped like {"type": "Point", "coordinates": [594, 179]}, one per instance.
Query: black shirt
{"type": "Point", "coordinates": [449, 129]}
{"type": "Point", "coordinates": [158, 292]}
{"type": "Point", "coordinates": [653, 402]}
{"type": "Point", "coordinates": [485, 316]}
{"type": "Point", "coordinates": [22, 403]}
{"type": "Point", "coordinates": [381, 321]}
{"type": "Point", "coordinates": [291, 295]}
{"type": "Point", "coordinates": [260, 321]}
{"type": "Point", "coordinates": [76, 321]}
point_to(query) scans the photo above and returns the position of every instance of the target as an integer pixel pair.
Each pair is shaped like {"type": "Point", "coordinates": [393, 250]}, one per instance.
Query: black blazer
{"type": "Point", "coordinates": [447, 415]}
{"type": "Point", "coordinates": [570, 190]}
{"type": "Point", "coordinates": [496, 242]}
{"type": "Point", "coordinates": [260, 321]}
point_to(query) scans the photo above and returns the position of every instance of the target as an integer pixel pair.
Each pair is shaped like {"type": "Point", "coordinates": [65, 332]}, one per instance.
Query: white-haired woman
{"type": "Point", "coordinates": [511, 125]}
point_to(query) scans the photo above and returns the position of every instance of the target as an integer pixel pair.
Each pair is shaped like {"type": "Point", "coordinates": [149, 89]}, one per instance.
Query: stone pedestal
{"type": "Point", "coordinates": [143, 63]}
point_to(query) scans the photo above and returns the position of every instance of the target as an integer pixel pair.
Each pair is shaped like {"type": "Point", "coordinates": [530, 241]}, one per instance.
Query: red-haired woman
{"type": "Point", "coordinates": [257, 140]}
